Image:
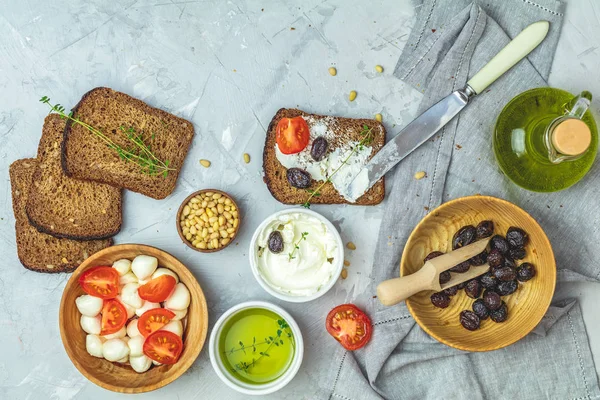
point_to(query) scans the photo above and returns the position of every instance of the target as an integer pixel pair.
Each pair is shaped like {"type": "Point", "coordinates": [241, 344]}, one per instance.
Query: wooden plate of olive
{"type": "Point", "coordinates": [526, 297]}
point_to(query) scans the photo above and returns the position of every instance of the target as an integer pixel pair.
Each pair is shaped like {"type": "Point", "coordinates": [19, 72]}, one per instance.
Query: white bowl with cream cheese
{"type": "Point", "coordinates": [311, 260]}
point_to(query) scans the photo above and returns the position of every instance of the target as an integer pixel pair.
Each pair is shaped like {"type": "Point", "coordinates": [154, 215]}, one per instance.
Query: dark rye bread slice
{"type": "Point", "coordinates": [66, 207]}
{"type": "Point", "coordinates": [38, 251]}
{"type": "Point", "coordinates": [85, 156]}
{"type": "Point", "coordinates": [347, 129]}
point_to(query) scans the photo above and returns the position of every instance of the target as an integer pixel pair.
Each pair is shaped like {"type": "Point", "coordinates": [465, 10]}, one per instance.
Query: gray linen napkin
{"type": "Point", "coordinates": [452, 40]}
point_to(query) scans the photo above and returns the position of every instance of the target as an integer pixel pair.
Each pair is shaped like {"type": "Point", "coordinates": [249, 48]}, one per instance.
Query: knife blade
{"type": "Point", "coordinates": [435, 118]}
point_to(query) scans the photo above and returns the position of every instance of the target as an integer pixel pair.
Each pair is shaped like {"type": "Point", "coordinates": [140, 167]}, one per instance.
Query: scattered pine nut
{"type": "Point", "coordinates": [378, 117]}
{"type": "Point", "coordinates": [352, 95]}
{"type": "Point", "coordinates": [351, 246]}
{"type": "Point", "coordinates": [420, 175]}
{"type": "Point", "coordinates": [205, 163]}
{"type": "Point", "coordinates": [379, 68]}
{"type": "Point", "coordinates": [246, 158]}
{"type": "Point", "coordinates": [346, 263]}
{"type": "Point", "coordinates": [332, 71]}
{"type": "Point", "coordinates": [344, 273]}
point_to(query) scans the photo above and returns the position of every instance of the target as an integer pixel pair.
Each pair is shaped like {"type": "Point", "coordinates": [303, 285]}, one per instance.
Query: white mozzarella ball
{"type": "Point", "coordinates": [132, 328]}
{"type": "Point", "coordinates": [130, 310]}
{"type": "Point", "coordinates": [165, 271]}
{"type": "Point", "coordinates": [122, 266]}
{"type": "Point", "coordinates": [115, 349]}
{"type": "Point", "coordinates": [148, 305]}
{"type": "Point", "coordinates": [121, 333]}
{"type": "Point", "coordinates": [136, 346]}
{"type": "Point", "coordinates": [179, 314]}
{"type": "Point", "coordinates": [179, 298]}
{"type": "Point", "coordinates": [140, 364]}
{"type": "Point", "coordinates": [156, 363]}
{"type": "Point", "coordinates": [93, 345]}
{"type": "Point", "coordinates": [129, 295]}
{"type": "Point", "coordinates": [89, 305]}
{"type": "Point", "coordinates": [144, 266]}
{"type": "Point", "coordinates": [128, 278]}
{"type": "Point", "coordinates": [174, 326]}
{"type": "Point", "coordinates": [91, 325]}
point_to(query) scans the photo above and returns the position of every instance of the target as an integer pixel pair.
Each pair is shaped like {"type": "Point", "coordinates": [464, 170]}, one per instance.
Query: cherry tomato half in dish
{"type": "Point", "coordinates": [153, 320]}
{"type": "Point", "coordinates": [292, 135]}
{"type": "Point", "coordinates": [163, 346]}
{"type": "Point", "coordinates": [100, 282]}
{"type": "Point", "coordinates": [158, 289]}
{"type": "Point", "coordinates": [349, 326]}
{"type": "Point", "coordinates": [114, 316]}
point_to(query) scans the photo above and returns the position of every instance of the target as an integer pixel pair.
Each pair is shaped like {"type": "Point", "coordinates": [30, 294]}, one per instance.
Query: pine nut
{"type": "Point", "coordinates": [205, 163]}
{"type": "Point", "coordinates": [212, 220]}
{"type": "Point", "coordinates": [210, 213]}
{"type": "Point", "coordinates": [186, 210]}
{"type": "Point", "coordinates": [204, 204]}
{"type": "Point", "coordinates": [215, 243]}
{"type": "Point", "coordinates": [209, 246]}
{"type": "Point", "coordinates": [194, 200]}
{"type": "Point", "coordinates": [185, 230]}
{"type": "Point", "coordinates": [208, 194]}
{"type": "Point", "coordinates": [378, 117]}
{"type": "Point", "coordinates": [216, 226]}
{"type": "Point", "coordinates": [220, 208]}
{"type": "Point", "coordinates": [379, 68]}
{"type": "Point", "coordinates": [211, 204]}
{"type": "Point", "coordinates": [187, 223]}
{"type": "Point", "coordinates": [193, 230]}
{"type": "Point", "coordinates": [225, 241]}
{"type": "Point", "coordinates": [199, 245]}
{"type": "Point", "coordinates": [204, 232]}
{"type": "Point", "coordinates": [227, 214]}
{"type": "Point", "coordinates": [332, 71]}
{"type": "Point", "coordinates": [210, 229]}
{"type": "Point", "coordinates": [214, 235]}
{"type": "Point", "coordinates": [346, 263]}
{"type": "Point", "coordinates": [221, 200]}
{"type": "Point", "coordinates": [351, 246]}
{"type": "Point", "coordinates": [344, 273]}
{"type": "Point", "coordinates": [188, 236]}
{"type": "Point", "coordinates": [230, 230]}
{"type": "Point", "coordinates": [246, 158]}
{"type": "Point", "coordinates": [217, 196]}
{"type": "Point", "coordinates": [221, 220]}
{"type": "Point", "coordinates": [352, 95]}
{"type": "Point", "coordinates": [235, 223]}
{"type": "Point", "coordinates": [420, 175]}
{"type": "Point", "coordinates": [228, 202]}
{"type": "Point", "coordinates": [202, 245]}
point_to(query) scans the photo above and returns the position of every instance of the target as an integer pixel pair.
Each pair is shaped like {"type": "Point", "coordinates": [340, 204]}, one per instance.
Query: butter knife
{"type": "Point", "coordinates": [431, 121]}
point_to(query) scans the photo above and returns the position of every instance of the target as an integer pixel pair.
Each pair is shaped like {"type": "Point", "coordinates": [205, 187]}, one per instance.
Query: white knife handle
{"type": "Point", "coordinates": [515, 51]}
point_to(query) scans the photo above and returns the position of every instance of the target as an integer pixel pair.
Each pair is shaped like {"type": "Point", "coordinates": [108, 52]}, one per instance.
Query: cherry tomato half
{"type": "Point", "coordinates": [349, 326]}
{"type": "Point", "coordinates": [153, 320]}
{"type": "Point", "coordinates": [100, 282]}
{"type": "Point", "coordinates": [292, 135]}
{"type": "Point", "coordinates": [158, 289]}
{"type": "Point", "coordinates": [163, 346]}
{"type": "Point", "coordinates": [114, 316]}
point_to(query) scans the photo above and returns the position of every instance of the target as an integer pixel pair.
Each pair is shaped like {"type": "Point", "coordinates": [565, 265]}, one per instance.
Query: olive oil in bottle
{"type": "Point", "coordinates": [545, 140]}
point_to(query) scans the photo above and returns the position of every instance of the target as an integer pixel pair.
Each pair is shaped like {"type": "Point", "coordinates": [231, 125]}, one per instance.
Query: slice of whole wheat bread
{"type": "Point", "coordinates": [85, 156]}
{"type": "Point", "coordinates": [38, 251]}
{"type": "Point", "coordinates": [346, 130]}
{"type": "Point", "coordinates": [66, 207]}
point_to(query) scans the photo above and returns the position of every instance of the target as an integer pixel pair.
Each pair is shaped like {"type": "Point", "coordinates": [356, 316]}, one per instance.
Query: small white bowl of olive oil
{"type": "Point", "coordinates": [256, 348]}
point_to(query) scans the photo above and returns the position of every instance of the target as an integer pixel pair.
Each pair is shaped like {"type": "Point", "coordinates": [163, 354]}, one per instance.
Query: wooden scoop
{"type": "Point", "coordinates": [395, 290]}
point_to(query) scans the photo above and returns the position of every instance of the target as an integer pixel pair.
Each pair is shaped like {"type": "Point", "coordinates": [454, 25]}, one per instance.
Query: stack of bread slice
{"type": "Point", "coordinates": [67, 201]}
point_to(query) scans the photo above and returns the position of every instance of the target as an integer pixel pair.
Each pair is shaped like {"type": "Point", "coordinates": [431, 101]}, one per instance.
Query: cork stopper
{"type": "Point", "coordinates": [571, 137]}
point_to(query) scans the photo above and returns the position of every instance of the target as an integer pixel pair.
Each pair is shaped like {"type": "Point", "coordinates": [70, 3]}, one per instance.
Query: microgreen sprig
{"type": "Point", "coordinates": [296, 246]}
{"type": "Point", "coordinates": [140, 152]}
{"type": "Point", "coordinates": [367, 138]}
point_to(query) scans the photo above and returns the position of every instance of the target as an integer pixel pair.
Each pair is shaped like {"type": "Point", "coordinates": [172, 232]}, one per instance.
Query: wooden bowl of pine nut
{"type": "Point", "coordinates": [208, 220]}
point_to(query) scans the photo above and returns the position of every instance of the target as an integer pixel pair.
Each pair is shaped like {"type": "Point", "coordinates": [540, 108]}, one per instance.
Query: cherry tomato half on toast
{"type": "Point", "coordinates": [153, 320]}
{"type": "Point", "coordinates": [100, 282]}
{"type": "Point", "coordinates": [114, 316]}
{"type": "Point", "coordinates": [158, 289]}
{"type": "Point", "coordinates": [163, 346]}
{"type": "Point", "coordinates": [349, 326]}
{"type": "Point", "coordinates": [292, 135]}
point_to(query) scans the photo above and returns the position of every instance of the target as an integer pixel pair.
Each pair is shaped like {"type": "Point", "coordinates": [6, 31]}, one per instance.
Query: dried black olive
{"type": "Point", "coordinates": [465, 235]}
{"type": "Point", "coordinates": [473, 289]}
{"type": "Point", "coordinates": [440, 299]}
{"type": "Point", "coordinates": [508, 262]}
{"type": "Point", "coordinates": [479, 259]}
{"type": "Point", "coordinates": [451, 291]}
{"type": "Point", "coordinates": [432, 255]}
{"type": "Point", "coordinates": [460, 268]}
{"type": "Point", "coordinates": [488, 280]}
{"type": "Point", "coordinates": [485, 229]}
{"type": "Point", "coordinates": [499, 315]}
{"type": "Point", "coordinates": [517, 254]}
{"type": "Point", "coordinates": [319, 148]}
{"type": "Point", "coordinates": [480, 309]}
{"type": "Point", "coordinates": [298, 178]}
{"type": "Point", "coordinates": [506, 288]}
{"type": "Point", "coordinates": [495, 258]}
{"type": "Point", "coordinates": [525, 272]}
{"type": "Point", "coordinates": [444, 277]}
{"type": "Point", "coordinates": [505, 274]}
{"type": "Point", "coordinates": [492, 300]}
{"type": "Point", "coordinates": [275, 242]}
{"type": "Point", "coordinates": [516, 237]}
{"type": "Point", "coordinates": [469, 320]}
{"type": "Point", "coordinates": [498, 242]}
{"type": "Point", "coordinates": [461, 285]}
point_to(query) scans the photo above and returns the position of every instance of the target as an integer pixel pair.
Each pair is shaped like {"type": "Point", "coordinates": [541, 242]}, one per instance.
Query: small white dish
{"type": "Point", "coordinates": [338, 262]}
{"type": "Point", "coordinates": [255, 389]}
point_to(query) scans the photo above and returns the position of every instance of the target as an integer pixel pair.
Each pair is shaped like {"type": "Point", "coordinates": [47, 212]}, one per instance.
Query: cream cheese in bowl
{"type": "Point", "coordinates": [308, 263]}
